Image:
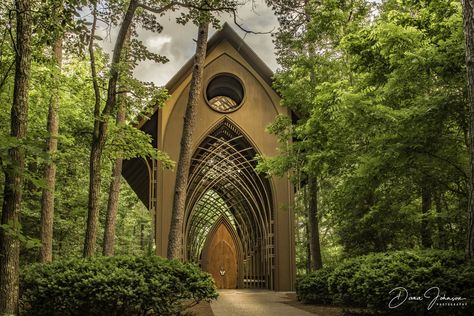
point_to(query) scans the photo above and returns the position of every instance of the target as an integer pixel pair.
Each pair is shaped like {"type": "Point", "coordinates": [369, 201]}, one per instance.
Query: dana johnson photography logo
{"type": "Point", "coordinates": [432, 297]}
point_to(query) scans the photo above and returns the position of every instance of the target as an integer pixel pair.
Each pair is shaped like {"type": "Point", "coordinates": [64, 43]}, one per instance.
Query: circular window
{"type": "Point", "coordinates": [224, 93]}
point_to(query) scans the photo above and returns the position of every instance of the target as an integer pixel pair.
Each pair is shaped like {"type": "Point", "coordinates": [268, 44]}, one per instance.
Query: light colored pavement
{"type": "Point", "coordinates": [254, 302]}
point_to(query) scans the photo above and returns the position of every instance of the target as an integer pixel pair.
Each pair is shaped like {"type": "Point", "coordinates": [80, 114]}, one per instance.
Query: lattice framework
{"type": "Point", "coordinates": [223, 183]}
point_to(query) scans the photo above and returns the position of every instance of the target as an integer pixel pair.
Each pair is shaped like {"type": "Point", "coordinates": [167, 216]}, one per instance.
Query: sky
{"type": "Point", "coordinates": [177, 44]}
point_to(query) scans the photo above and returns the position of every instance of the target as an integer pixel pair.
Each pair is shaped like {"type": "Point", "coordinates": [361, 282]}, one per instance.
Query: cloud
{"type": "Point", "coordinates": [177, 42]}
{"type": "Point", "coordinates": [157, 43]}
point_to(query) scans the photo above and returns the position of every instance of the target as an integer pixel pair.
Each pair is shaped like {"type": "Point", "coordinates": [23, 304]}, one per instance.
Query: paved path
{"type": "Point", "coordinates": [254, 302]}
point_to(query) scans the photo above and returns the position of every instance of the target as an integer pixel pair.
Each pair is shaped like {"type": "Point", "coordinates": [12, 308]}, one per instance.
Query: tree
{"type": "Point", "coordinates": [47, 199]}
{"type": "Point", "coordinates": [201, 14]}
{"type": "Point", "coordinates": [100, 133]}
{"type": "Point", "coordinates": [114, 189]}
{"type": "Point", "coordinates": [468, 7]}
{"type": "Point", "coordinates": [380, 119]}
{"type": "Point", "coordinates": [405, 76]}
{"type": "Point", "coordinates": [77, 100]}
{"type": "Point", "coordinates": [313, 223]}
{"type": "Point", "coordinates": [102, 117]}
{"type": "Point", "coordinates": [307, 42]}
{"type": "Point", "coordinates": [59, 22]}
{"type": "Point", "coordinates": [175, 239]}
{"type": "Point", "coordinates": [9, 242]}
{"type": "Point", "coordinates": [426, 203]}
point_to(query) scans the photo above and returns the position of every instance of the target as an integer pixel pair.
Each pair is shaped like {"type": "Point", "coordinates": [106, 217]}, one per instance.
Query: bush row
{"type": "Point", "coordinates": [113, 286]}
{"type": "Point", "coordinates": [402, 282]}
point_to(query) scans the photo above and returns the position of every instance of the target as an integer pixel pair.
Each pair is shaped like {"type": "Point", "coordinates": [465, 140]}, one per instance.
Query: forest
{"type": "Point", "coordinates": [379, 148]}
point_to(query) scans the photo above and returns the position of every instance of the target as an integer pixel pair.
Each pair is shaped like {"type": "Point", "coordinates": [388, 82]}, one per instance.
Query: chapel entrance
{"type": "Point", "coordinates": [220, 258]}
{"type": "Point", "coordinates": [236, 217]}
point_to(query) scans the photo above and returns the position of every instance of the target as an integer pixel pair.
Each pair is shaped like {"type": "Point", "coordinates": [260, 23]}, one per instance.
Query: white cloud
{"type": "Point", "coordinates": [157, 43]}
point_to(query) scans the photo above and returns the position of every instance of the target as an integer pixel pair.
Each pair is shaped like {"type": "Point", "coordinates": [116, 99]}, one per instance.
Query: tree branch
{"type": "Point", "coordinates": [5, 76]}
{"type": "Point", "coordinates": [459, 169]}
{"type": "Point", "coordinates": [234, 13]}
{"type": "Point", "coordinates": [206, 8]}
{"type": "Point", "coordinates": [158, 10]}
{"type": "Point", "coordinates": [10, 31]}
{"type": "Point", "coordinates": [95, 83]}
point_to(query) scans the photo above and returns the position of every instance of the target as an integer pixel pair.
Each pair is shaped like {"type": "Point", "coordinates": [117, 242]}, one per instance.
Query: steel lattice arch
{"type": "Point", "coordinates": [223, 183]}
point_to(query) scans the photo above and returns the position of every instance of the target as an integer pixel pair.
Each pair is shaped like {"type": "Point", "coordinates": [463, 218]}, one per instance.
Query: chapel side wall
{"type": "Point", "coordinates": [261, 106]}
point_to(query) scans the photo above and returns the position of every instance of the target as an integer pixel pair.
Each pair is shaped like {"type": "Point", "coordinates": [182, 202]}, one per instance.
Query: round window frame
{"type": "Point", "coordinates": [228, 74]}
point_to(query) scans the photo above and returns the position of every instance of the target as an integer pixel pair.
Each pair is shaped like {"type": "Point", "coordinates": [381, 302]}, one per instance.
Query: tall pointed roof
{"type": "Point", "coordinates": [228, 34]}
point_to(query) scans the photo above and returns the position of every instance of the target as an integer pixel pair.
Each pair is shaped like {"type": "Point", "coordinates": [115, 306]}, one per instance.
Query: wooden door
{"type": "Point", "coordinates": [221, 261]}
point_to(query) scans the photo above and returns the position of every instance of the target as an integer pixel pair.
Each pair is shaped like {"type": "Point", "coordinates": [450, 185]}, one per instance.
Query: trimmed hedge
{"type": "Point", "coordinates": [113, 286]}
{"type": "Point", "coordinates": [366, 282]}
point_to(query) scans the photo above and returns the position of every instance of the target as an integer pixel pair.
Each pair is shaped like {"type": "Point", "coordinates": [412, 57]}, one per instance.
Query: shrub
{"type": "Point", "coordinates": [313, 287]}
{"type": "Point", "coordinates": [367, 281]}
{"type": "Point", "coordinates": [113, 286]}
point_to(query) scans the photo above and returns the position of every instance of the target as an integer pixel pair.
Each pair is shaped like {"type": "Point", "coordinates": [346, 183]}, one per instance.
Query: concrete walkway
{"type": "Point", "coordinates": [254, 302]}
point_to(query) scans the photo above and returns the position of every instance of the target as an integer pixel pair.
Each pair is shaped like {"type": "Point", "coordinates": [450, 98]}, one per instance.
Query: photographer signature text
{"type": "Point", "coordinates": [433, 295]}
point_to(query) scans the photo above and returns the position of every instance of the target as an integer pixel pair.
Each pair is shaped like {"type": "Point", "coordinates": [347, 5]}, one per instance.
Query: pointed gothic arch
{"type": "Point", "coordinates": [205, 258]}
{"type": "Point", "coordinates": [223, 183]}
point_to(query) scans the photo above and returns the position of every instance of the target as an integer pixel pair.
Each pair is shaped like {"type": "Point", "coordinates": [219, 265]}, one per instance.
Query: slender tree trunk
{"type": "Point", "coordinates": [425, 233]}
{"type": "Point", "coordinates": [175, 239]}
{"type": "Point", "coordinates": [94, 180]}
{"type": "Point", "coordinates": [114, 190]}
{"type": "Point", "coordinates": [9, 243]}
{"type": "Point", "coordinates": [316, 262]}
{"type": "Point", "coordinates": [112, 208]}
{"type": "Point", "coordinates": [142, 236]}
{"type": "Point", "coordinates": [100, 135]}
{"type": "Point", "coordinates": [305, 211]}
{"type": "Point", "coordinates": [308, 250]}
{"type": "Point", "coordinates": [47, 199]}
{"type": "Point", "coordinates": [442, 241]}
{"type": "Point", "coordinates": [468, 7]}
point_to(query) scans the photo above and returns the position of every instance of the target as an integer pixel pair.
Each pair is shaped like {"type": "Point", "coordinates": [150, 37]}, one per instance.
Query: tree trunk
{"type": "Point", "coordinates": [9, 243]}
{"type": "Point", "coordinates": [114, 190]}
{"type": "Point", "coordinates": [442, 239]}
{"type": "Point", "coordinates": [468, 7]}
{"type": "Point", "coordinates": [100, 135]}
{"type": "Point", "coordinates": [93, 180]}
{"type": "Point", "coordinates": [175, 239]}
{"type": "Point", "coordinates": [47, 199]}
{"type": "Point", "coordinates": [316, 261]}
{"type": "Point", "coordinates": [142, 236]}
{"type": "Point", "coordinates": [305, 210]}
{"type": "Point", "coordinates": [425, 233]}
{"type": "Point", "coordinates": [308, 250]}
{"type": "Point", "coordinates": [112, 207]}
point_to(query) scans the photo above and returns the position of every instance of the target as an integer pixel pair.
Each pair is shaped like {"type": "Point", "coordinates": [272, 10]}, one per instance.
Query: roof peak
{"type": "Point", "coordinates": [228, 33]}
